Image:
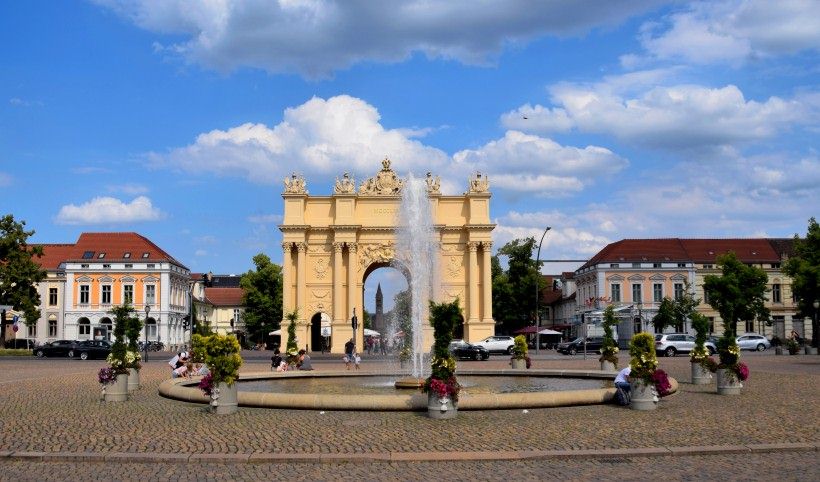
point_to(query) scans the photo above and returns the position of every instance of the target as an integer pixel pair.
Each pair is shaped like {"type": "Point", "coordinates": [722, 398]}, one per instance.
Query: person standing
{"type": "Point", "coordinates": [350, 348]}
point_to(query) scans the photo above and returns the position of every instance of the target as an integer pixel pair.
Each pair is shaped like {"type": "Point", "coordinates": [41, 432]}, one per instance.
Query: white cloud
{"type": "Point", "coordinates": [320, 137]}
{"type": "Point", "coordinates": [733, 32]}
{"type": "Point", "coordinates": [527, 163]}
{"type": "Point", "coordinates": [105, 210]}
{"type": "Point", "coordinates": [316, 37]}
{"type": "Point", "coordinates": [674, 117]}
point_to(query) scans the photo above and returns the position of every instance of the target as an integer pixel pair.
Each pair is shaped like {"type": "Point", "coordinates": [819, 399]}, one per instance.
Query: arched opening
{"type": "Point", "coordinates": [151, 329]}
{"type": "Point", "coordinates": [320, 332]}
{"type": "Point", "coordinates": [52, 326]}
{"type": "Point", "coordinates": [106, 327]}
{"type": "Point", "coordinates": [386, 302]}
{"type": "Point", "coordinates": [83, 329]}
{"type": "Point", "coordinates": [458, 330]}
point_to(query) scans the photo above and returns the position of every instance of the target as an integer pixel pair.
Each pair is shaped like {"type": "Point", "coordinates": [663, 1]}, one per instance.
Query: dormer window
{"type": "Point", "coordinates": [145, 255]}
{"type": "Point", "coordinates": [126, 255]}
{"type": "Point", "coordinates": [88, 255]}
{"type": "Point", "coordinates": [101, 256]}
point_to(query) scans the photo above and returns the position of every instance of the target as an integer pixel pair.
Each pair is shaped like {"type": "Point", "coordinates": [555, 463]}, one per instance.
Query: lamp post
{"type": "Point", "coordinates": [537, 293]}
{"type": "Point", "coordinates": [147, 310]}
{"type": "Point", "coordinates": [355, 323]}
{"type": "Point", "coordinates": [814, 334]}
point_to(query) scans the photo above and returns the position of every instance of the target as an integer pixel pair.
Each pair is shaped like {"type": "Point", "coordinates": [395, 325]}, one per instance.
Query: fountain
{"type": "Point", "coordinates": [416, 252]}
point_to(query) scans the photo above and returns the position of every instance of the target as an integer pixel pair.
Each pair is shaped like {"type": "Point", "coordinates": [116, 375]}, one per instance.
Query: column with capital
{"type": "Point", "coordinates": [338, 311]}
{"type": "Point", "coordinates": [301, 279]}
{"type": "Point", "coordinates": [472, 282]}
{"type": "Point", "coordinates": [352, 269]}
{"type": "Point", "coordinates": [287, 273]}
{"type": "Point", "coordinates": [487, 282]}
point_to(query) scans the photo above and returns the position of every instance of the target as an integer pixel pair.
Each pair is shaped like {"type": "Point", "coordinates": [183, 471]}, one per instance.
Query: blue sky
{"type": "Point", "coordinates": [633, 119]}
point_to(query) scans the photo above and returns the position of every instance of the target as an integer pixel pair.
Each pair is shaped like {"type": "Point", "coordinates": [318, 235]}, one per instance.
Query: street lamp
{"type": "Point", "coordinates": [355, 323]}
{"type": "Point", "coordinates": [147, 310]}
{"type": "Point", "coordinates": [537, 293]}
{"type": "Point", "coordinates": [814, 334]}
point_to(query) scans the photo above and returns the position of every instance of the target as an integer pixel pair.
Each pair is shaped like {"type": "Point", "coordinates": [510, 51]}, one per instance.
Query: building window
{"type": "Point", "coordinates": [52, 328]}
{"type": "Point", "coordinates": [151, 329]}
{"type": "Point", "coordinates": [657, 292]}
{"type": "Point", "coordinates": [106, 266]}
{"type": "Point", "coordinates": [106, 294]}
{"type": "Point", "coordinates": [681, 265]}
{"type": "Point", "coordinates": [84, 266]}
{"type": "Point", "coordinates": [32, 330]}
{"type": "Point", "coordinates": [615, 288]}
{"type": "Point", "coordinates": [52, 297]}
{"type": "Point", "coordinates": [150, 266]}
{"type": "Point", "coordinates": [128, 294]}
{"type": "Point", "coordinates": [84, 329]}
{"type": "Point", "coordinates": [88, 254]}
{"type": "Point", "coordinates": [708, 266]}
{"type": "Point", "coordinates": [636, 265]}
{"type": "Point", "coordinates": [614, 265]}
{"type": "Point", "coordinates": [126, 255]}
{"type": "Point", "coordinates": [85, 291]}
{"type": "Point", "coordinates": [129, 266]}
{"type": "Point", "coordinates": [776, 293]}
{"type": "Point", "coordinates": [145, 255]}
{"type": "Point", "coordinates": [637, 325]}
{"type": "Point", "coordinates": [775, 265]}
{"type": "Point", "coordinates": [150, 294]}
{"type": "Point", "coordinates": [636, 293]}
{"type": "Point", "coordinates": [711, 324]}
{"type": "Point", "coordinates": [101, 256]}
{"type": "Point", "coordinates": [237, 315]}
{"type": "Point", "coordinates": [750, 326]}
{"type": "Point", "coordinates": [656, 265]}
{"type": "Point", "coordinates": [678, 291]}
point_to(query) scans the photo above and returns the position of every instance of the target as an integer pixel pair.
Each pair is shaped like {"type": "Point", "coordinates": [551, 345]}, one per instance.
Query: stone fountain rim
{"type": "Point", "coordinates": [186, 390]}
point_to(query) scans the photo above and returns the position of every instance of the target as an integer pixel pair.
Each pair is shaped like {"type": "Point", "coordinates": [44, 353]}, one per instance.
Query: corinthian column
{"type": "Point", "coordinates": [487, 281]}
{"type": "Point", "coordinates": [352, 269]}
{"type": "Point", "coordinates": [472, 281]}
{"type": "Point", "coordinates": [338, 310]}
{"type": "Point", "coordinates": [287, 273]}
{"type": "Point", "coordinates": [301, 281]}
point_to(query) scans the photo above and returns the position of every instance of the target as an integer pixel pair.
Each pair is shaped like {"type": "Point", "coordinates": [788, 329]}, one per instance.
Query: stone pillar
{"type": "Point", "coordinates": [352, 270]}
{"type": "Point", "coordinates": [287, 266]}
{"type": "Point", "coordinates": [486, 279]}
{"type": "Point", "coordinates": [338, 311]}
{"type": "Point", "coordinates": [301, 279]}
{"type": "Point", "coordinates": [472, 281]}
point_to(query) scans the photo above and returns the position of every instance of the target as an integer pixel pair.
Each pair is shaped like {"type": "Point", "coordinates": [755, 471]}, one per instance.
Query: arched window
{"type": "Point", "coordinates": [84, 329]}
{"type": "Point", "coordinates": [106, 325]}
{"type": "Point", "coordinates": [151, 328]}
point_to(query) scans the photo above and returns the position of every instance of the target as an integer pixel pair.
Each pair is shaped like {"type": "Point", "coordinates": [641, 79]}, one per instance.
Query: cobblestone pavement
{"type": "Point", "coordinates": [53, 406]}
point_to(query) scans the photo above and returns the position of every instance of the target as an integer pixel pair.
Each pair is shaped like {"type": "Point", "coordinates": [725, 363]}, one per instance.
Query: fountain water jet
{"type": "Point", "coordinates": [416, 250]}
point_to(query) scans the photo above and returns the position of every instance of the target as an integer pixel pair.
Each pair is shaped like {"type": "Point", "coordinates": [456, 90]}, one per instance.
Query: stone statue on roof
{"type": "Point", "coordinates": [295, 184]}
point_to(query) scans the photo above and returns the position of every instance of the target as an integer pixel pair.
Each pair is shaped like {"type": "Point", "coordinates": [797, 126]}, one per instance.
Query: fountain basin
{"type": "Point", "coordinates": [401, 400]}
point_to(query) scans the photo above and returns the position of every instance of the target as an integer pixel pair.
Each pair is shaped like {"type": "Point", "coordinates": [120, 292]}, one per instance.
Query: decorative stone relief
{"type": "Point", "coordinates": [295, 184]}
{"type": "Point", "coordinates": [373, 253]}
{"type": "Point", "coordinates": [454, 267]}
{"type": "Point", "coordinates": [433, 184]}
{"type": "Point", "coordinates": [451, 295]}
{"type": "Point", "coordinates": [478, 183]}
{"type": "Point", "coordinates": [346, 185]}
{"type": "Point", "coordinates": [384, 183]}
{"type": "Point", "coordinates": [320, 268]}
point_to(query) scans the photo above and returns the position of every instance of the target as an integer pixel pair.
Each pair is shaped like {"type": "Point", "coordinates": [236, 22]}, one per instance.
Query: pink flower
{"type": "Point", "coordinates": [742, 371]}
{"type": "Point", "coordinates": [661, 381]}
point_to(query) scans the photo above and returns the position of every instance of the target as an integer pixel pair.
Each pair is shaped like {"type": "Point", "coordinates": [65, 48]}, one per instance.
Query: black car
{"type": "Point", "coordinates": [56, 348]}
{"type": "Point", "coordinates": [462, 349]}
{"type": "Point", "coordinates": [92, 349]}
{"type": "Point", "coordinates": [593, 345]}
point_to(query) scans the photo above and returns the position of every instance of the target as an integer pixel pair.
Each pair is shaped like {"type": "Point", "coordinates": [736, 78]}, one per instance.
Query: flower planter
{"type": "Point", "coordinates": [224, 399]}
{"type": "Point", "coordinates": [807, 350]}
{"type": "Point", "coordinates": [778, 350]}
{"type": "Point", "coordinates": [727, 382]}
{"type": "Point", "coordinates": [810, 350]}
{"type": "Point", "coordinates": [644, 396]}
{"type": "Point", "coordinates": [519, 364]}
{"type": "Point", "coordinates": [133, 379]}
{"type": "Point", "coordinates": [794, 351]}
{"type": "Point", "coordinates": [441, 408]}
{"type": "Point", "coordinates": [700, 375]}
{"type": "Point", "coordinates": [117, 391]}
{"type": "Point", "coordinates": [607, 366]}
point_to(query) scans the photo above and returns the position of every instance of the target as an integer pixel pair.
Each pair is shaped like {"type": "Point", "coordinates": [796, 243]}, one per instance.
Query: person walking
{"type": "Point", "coordinates": [350, 349]}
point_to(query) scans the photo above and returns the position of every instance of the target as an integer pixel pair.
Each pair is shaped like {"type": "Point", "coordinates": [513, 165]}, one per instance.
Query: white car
{"type": "Point", "coordinates": [753, 341]}
{"type": "Point", "coordinates": [497, 344]}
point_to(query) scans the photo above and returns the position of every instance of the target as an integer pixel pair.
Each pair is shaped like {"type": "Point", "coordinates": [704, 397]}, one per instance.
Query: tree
{"type": "Point", "coordinates": [665, 316]}
{"type": "Point", "coordinates": [19, 274]}
{"type": "Point", "coordinates": [513, 300]}
{"type": "Point", "coordinates": [292, 348]}
{"type": "Point", "coordinates": [131, 324]}
{"type": "Point", "coordinates": [739, 293]}
{"type": "Point", "coordinates": [804, 269]}
{"type": "Point", "coordinates": [262, 297]}
{"type": "Point", "coordinates": [684, 307]}
{"type": "Point", "coordinates": [401, 313]}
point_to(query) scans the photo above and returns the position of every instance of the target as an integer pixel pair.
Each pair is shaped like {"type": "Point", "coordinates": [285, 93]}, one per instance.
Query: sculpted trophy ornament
{"type": "Point", "coordinates": [478, 183]}
{"type": "Point", "coordinates": [295, 184]}
{"type": "Point", "coordinates": [384, 183]}
{"type": "Point", "coordinates": [346, 185]}
{"type": "Point", "coordinates": [433, 184]}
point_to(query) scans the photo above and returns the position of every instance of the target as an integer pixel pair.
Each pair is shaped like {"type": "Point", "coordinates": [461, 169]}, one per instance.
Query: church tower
{"type": "Point", "coordinates": [378, 319]}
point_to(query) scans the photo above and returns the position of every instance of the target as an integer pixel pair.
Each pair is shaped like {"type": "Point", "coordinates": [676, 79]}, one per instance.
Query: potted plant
{"type": "Point", "coordinates": [793, 346]}
{"type": "Point", "coordinates": [642, 366]}
{"type": "Point", "coordinates": [221, 354]}
{"type": "Point", "coordinates": [609, 347]}
{"type": "Point", "coordinates": [731, 373]}
{"type": "Point", "coordinates": [520, 359]}
{"type": "Point", "coordinates": [106, 376]}
{"type": "Point", "coordinates": [117, 360]}
{"type": "Point", "coordinates": [292, 349]}
{"type": "Point", "coordinates": [441, 386]}
{"type": "Point", "coordinates": [700, 373]}
{"type": "Point", "coordinates": [132, 326]}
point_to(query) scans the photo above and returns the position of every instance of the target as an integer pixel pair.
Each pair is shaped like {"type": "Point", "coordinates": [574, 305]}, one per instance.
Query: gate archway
{"type": "Point", "coordinates": [330, 244]}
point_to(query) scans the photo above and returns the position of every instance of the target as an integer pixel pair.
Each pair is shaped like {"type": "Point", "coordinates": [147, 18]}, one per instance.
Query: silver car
{"type": "Point", "coordinates": [753, 341]}
{"type": "Point", "coordinates": [670, 344]}
{"type": "Point", "coordinates": [497, 344]}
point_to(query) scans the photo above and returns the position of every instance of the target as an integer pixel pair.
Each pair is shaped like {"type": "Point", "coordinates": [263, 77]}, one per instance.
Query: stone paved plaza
{"type": "Point", "coordinates": [54, 426]}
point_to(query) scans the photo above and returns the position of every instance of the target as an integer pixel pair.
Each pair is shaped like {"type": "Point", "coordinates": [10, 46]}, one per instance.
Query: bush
{"type": "Point", "coordinates": [221, 354]}
{"type": "Point", "coordinates": [643, 362]}
{"type": "Point", "coordinates": [609, 348]}
{"type": "Point", "coordinates": [520, 348]}
{"type": "Point", "coordinates": [442, 380]}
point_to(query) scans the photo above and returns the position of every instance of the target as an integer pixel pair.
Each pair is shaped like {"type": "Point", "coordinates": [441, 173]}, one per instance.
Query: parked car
{"type": "Point", "coordinates": [462, 349]}
{"type": "Point", "coordinates": [56, 348]}
{"type": "Point", "coordinates": [593, 344]}
{"type": "Point", "coordinates": [753, 341]}
{"type": "Point", "coordinates": [497, 344]}
{"type": "Point", "coordinates": [670, 344]}
{"type": "Point", "coordinates": [21, 344]}
{"type": "Point", "coordinates": [92, 349]}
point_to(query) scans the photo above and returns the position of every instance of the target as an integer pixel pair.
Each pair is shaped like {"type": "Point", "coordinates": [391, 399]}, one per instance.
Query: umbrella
{"type": "Point", "coordinates": [369, 332]}
{"type": "Point", "coordinates": [275, 333]}
{"type": "Point", "coordinates": [526, 330]}
{"type": "Point", "coordinates": [547, 331]}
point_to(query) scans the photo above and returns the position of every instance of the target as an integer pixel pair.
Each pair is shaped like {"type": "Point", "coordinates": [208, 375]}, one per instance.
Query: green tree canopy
{"type": "Point", "coordinates": [804, 269]}
{"type": "Point", "coordinates": [263, 297]}
{"type": "Point", "coordinates": [19, 274]}
{"type": "Point", "coordinates": [665, 316]}
{"type": "Point", "coordinates": [739, 293]}
{"type": "Point", "coordinates": [514, 290]}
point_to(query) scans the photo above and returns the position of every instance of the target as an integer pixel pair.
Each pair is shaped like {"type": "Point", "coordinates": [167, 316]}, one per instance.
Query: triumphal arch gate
{"type": "Point", "coordinates": [332, 243]}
